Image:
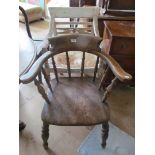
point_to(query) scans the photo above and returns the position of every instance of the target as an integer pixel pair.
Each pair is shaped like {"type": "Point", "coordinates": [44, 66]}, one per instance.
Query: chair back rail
{"type": "Point", "coordinates": [68, 65]}
{"type": "Point", "coordinates": [55, 68]}
{"type": "Point", "coordinates": [82, 64]}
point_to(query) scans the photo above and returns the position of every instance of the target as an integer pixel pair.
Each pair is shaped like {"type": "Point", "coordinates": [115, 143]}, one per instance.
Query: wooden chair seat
{"type": "Point", "coordinates": [74, 101]}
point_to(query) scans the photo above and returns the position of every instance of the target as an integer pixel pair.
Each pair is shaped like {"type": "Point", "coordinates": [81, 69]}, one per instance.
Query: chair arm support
{"type": "Point", "coordinates": [35, 69]}
{"type": "Point", "coordinates": [117, 70]}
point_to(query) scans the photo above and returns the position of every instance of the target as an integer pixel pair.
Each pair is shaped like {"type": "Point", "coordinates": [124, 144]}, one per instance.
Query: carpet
{"type": "Point", "coordinates": [118, 143]}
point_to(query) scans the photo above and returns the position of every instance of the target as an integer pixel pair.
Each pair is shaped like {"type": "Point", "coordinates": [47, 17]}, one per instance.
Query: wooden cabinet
{"type": "Point", "coordinates": [119, 42]}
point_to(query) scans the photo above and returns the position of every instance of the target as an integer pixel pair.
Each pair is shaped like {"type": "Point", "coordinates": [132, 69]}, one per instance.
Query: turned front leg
{"type": "Point", "coordinates": [105, 132]}
{"type": "Point", "coordinates": [45, 134]}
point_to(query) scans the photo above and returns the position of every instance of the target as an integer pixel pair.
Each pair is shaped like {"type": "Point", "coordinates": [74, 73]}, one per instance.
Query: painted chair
{"type": "Point", "coordinates": [72, 20]}
{"type": "Point", "coordinates": [74, 100]}
{"type": "Point", "coordinates": [84, 20]}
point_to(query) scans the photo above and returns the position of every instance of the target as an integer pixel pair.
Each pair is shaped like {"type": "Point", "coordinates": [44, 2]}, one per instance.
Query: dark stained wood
{"type": "Point", "coordinates": [45, 134]}
{"type": "Point", "coordinates": [77, 3]}
{"type": "Point", "coordinates": [75, 101]}
{"type": "Point", "coordinates": [105, 132]}
{"type": "Point", "coordinates": [121, 29]}
{"type": "Point", "coordinates": [87, 2]}
{"type": "Point", "coordinates": [55, 69]}
{"type": "Point", "coordinates": [74, 42]}
{"type": "Point", "coordinates": [96, 68]}
{"type": "Point", "coordinates": [121, 4]}
{"type": "Point", "coordinates": [120, 7]}
{"type": "Point", "coordinates": [74, 3]}
{"type": "Point", "coordinates": [47, 68]}
{"type": "Point", "coordinates": [68, 65]}
{"type": "Point", "coordinates": [82, 64]}
{"type": "Point", "coordinates": [40, 77]}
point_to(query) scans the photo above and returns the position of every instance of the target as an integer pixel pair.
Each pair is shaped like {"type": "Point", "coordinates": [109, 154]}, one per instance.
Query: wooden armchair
{"type": "Point", "coordinates": [73, 100]}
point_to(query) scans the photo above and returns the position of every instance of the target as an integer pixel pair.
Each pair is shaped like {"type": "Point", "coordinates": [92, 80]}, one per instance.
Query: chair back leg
{"type": "Point", "coordinates": [45, 134]}
{"type": "Point", "coordinates": [105, 133]}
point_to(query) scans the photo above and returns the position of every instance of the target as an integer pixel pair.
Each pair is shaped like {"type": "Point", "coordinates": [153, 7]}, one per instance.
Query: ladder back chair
{"type": "Point", "coordinates": [73, 100]}
{"type": "Point", "coordinates": [84, 20]}
{"type": "Point", "coordinates": [72, 20]}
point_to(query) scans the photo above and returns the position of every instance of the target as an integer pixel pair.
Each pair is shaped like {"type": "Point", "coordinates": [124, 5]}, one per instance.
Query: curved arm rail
{"type": "Point", "coordinates": [117, 70]}
{"type": "Point", "coordinates": [34, 70]}
{"type": "Point", "coordinates": [114, 66]}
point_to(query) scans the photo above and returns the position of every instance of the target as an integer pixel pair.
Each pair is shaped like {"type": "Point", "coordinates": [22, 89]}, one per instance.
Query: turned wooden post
{"type": "Point", "coordinates": [68, 65]}
{"type": "Point", "coordinates": [82, 64]}
{"type": "Point", "coordinates": [108, 89]}
{"type": "Point", "coordinates": [105, 133]}
{"type": "Point", "coordinates": [55, 69]}
{"type": "Point", "coordinates": [96, 69]}
{"type": "Point", "coordinates": [41, 90]}
{"type": "Point", "coordinates": [47, 80]}
{"type": "Point", "coordinates": [103, 77]}
{"type": "Point", "coordinates": [45, 134]}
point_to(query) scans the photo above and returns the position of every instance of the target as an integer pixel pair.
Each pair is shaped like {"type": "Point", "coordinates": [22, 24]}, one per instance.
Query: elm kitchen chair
{"type": "Point", "coordinates": [74, 100]}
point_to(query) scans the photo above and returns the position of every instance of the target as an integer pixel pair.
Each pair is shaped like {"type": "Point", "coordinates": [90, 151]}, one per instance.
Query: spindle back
{"type": "Point", "coordinates": [75, 42]}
